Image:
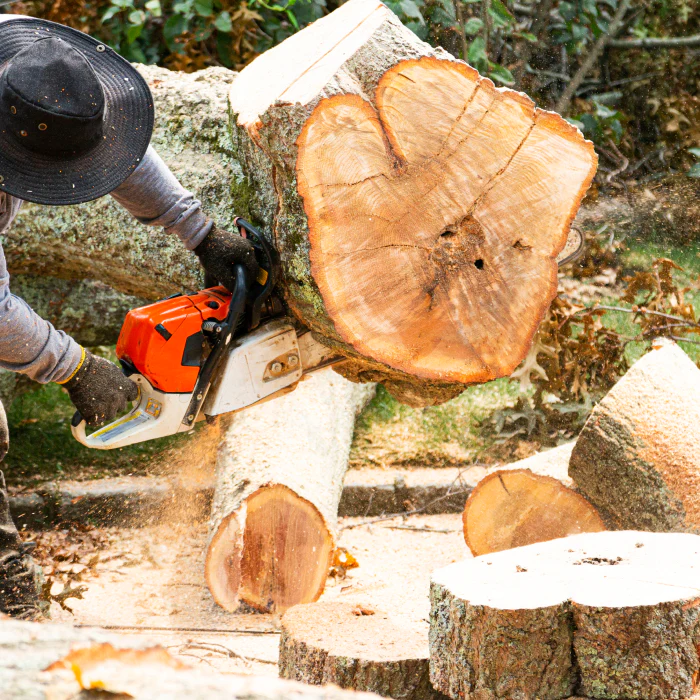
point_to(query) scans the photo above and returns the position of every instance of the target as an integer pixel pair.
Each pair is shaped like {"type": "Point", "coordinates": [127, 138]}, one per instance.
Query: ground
{"type": "Point", "coordinates": [152, 579]}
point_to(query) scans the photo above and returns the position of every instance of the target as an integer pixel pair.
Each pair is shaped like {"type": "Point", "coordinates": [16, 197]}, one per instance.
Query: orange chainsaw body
{"type": "Point", "coordinates": [164, 341]}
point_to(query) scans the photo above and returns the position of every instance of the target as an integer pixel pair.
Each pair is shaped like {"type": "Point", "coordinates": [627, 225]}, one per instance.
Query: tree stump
{"type": "Point", "coordinates": [609, 614]}
{"type": "Point", "coordinates": [279, 476]}
{"type": "Point", "coordinates": [637, 457]}
{"type": "Point", "coordinates": [418, 209]}
{"type": "Point", "coordinates": [353, 646]}
{"type": "Point", "coordinates": [515, 507]}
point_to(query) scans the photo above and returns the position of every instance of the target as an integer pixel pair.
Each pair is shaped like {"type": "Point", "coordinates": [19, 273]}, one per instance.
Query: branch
{"type": "Point", "coordinates": [541, 15]}
{"type": "Point", "coordinates": [656, 43]}
{"type": "Point", "coordinates": [590, 60]}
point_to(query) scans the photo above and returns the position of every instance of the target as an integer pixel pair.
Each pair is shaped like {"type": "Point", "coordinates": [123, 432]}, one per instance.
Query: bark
{"type": "Point", "coordinates": [27, 648]}
{"type": "Point", "coordinates": [612, 614]}
{"type": "Point", "coordinates": [403, 245]}
{"type": "Point", "coordinates": [279, 476]}
{"type": "Point", "coordinates": [355, 647]}
{"type": "Point", "coordinates": [514, 507]}
{"type": "Point", "coordinates": [636, 459]}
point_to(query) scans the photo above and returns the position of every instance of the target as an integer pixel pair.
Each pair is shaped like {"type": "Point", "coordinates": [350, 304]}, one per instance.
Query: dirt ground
{"type": "Point", "coordinates": [150, 581]}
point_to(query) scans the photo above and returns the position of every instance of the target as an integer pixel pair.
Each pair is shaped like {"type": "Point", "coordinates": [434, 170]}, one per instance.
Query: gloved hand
{"type": "Point", "coordinates": [99, 390]}
{"type": "Point", "coordinates": [221, 250]}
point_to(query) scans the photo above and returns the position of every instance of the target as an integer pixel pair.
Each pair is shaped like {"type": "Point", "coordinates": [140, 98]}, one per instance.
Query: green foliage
{"type": "Point", "coordinates": [601, 123]}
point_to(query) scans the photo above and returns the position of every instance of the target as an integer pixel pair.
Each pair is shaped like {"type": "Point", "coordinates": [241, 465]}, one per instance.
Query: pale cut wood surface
{"type": "Point", "coordinates": [610, 614]}
{"type": "Point", "coordinates": [514, 507]}
{"type": "Point", "coordinates": [27, 648]}
{"type": "Point", "coordinates": [435, 217]}
{"type": "Point", "coordinates": [637, 457]}
{"type": "Point", "coordinates": [279, 476]}
{"type": "Point", "coordinates": [355, 646]}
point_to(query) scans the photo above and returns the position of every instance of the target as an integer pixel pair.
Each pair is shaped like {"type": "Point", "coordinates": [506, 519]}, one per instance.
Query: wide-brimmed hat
{"type": "Point", "coordinates": [75, 117]}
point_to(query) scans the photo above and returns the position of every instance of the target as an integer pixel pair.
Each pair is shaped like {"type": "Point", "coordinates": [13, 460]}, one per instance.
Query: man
{"type": "Point", "coordinates": [75, 124]}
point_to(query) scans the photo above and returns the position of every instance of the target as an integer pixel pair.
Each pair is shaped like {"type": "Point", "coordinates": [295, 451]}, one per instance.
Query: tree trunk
{"type": "Point", "coordinates": [637, 458]}
{"type": "Point", "coordinates": [355, 647]}
{"type": "Point", "coordinates": [612, 614]}
{"type": "Point", "coordinates": [279, 476]}
{"type": "Point", "coordinates": [514, 507]}
{"type": "Point", "coordinates": [100, 240]}
{"type": "Point", "coordinates": [418, 209]}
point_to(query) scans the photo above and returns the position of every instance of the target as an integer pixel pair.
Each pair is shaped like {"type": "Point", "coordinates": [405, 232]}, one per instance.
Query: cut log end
{"type": "Point", "coordinates": [281, 559]}
{"type": "Point", "coordinates": [513, 508]}
{"type": "Point", "coordinates": [434, 248]}
{"type": "Point", "coordinates": [612, 614]}
{"type": "Point", "coordinates": [356, 647]}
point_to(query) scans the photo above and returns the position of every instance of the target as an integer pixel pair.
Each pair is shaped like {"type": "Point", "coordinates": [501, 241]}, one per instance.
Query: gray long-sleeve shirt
{"type": "Point", "coordinates": [31, 345]}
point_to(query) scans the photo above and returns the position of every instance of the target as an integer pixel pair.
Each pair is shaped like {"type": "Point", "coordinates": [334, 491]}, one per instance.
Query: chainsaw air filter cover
{"type": "Point", "coordinates": [165, 342]}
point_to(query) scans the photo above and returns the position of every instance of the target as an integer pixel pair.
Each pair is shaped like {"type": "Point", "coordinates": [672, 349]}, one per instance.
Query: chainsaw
{"type": "Point", "coordinates": [196, 356]}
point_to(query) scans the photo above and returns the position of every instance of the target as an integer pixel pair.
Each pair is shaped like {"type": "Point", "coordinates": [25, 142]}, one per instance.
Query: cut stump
{"type": "Point", "coordinates": [609, 614]}
{"type": "Point", "coordinates": [279, 476]}
{"type": "Point", "coordinates": [637, 458]}
{"type": "Point", "coordinates": [355, 647]}
{"type": "Point", "coordinates": [514, 507]}
{"type": "Point", "coordinates": [419, 210]}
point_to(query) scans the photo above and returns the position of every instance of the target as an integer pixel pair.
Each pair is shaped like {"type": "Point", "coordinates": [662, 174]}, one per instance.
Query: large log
{"type": "Point", "coordinates": [279, 476]}
{"type": "Point", "coordinates": [82, 657]}
{"type": "Point", "coordinates": [637, 457]}
{"type": "Point", "coordinates": [418, 209]}
{"type": "Point", "coordinates": [356, 647]}
{"type": "Point", "coordinates": [611, 614]}
{"type": "Point", "coordinates": [515, 507]}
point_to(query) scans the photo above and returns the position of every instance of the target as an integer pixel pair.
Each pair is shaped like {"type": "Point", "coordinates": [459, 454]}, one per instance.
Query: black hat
{"type": "Point", "coordinates": [75, 117]}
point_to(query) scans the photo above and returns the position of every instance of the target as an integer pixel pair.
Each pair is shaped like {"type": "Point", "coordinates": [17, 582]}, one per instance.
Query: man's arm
{"type": "Point", "coordinates": [154, 196]}
{"type": "Point", "coordinates": [29, 344]}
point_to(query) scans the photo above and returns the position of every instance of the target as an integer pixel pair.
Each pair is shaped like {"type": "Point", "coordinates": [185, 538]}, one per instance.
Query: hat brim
{"type": "Point", "coordinates": [128, 125]}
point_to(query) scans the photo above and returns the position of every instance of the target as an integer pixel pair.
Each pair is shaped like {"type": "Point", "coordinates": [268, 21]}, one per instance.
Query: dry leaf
{"type": "Point", "coordinates": [102, 667]}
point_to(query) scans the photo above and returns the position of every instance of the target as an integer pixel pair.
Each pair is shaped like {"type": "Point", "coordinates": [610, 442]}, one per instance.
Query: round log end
{"type": "Point", "coordinates": [282, 558]}
{"type": "Point", "coordinates": [354, 646]}
{"type": "Point", "coordinates": [434, 249]}
{"type": "Point", "coordinates": [611, 614]}
{"type": "Point", "coordinates": [513, 508]}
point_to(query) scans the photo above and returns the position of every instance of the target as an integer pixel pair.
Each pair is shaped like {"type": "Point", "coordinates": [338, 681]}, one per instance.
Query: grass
{"type": "Point", "coordinates": [43, 448]}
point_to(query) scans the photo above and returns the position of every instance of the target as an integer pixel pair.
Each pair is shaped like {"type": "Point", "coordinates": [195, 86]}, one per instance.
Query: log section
{"type": "Point", "coordinates": [514, 507]}
{"type": "Point", "coordinates": [279, 476]}
{"type": "Point", "coordinates": [614, 614]}
{"type": "Point", "coordinates": [28, 648]}
{"type": "Point", "coordinates": [637, 458]}
{"type": "Point", "coordinates": [419, 209]}
{"type": "Point", "coordinates": [353, 646]}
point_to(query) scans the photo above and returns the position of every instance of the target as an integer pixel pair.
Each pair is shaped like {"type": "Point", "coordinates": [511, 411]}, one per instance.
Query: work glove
{"type": "Point", "coordinates": [99, 390]}
{"type": "Point", "coordinates": [221, 251]}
